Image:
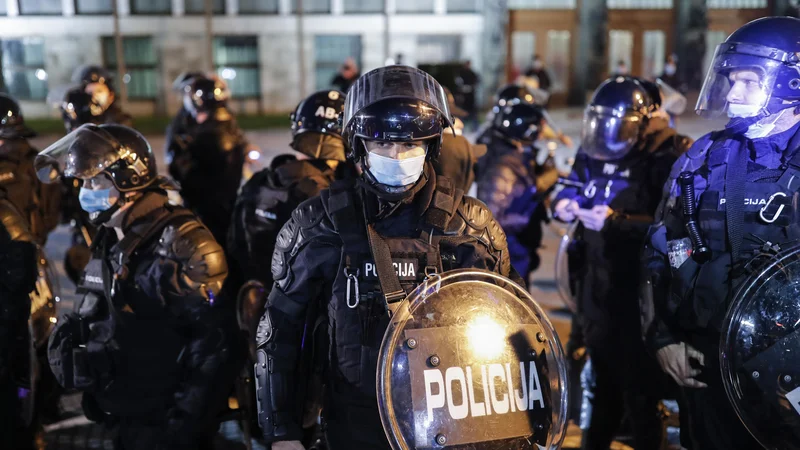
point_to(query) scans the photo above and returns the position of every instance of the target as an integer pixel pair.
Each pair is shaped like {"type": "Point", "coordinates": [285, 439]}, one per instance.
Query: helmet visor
{"type": "Point", "coordinates": [740, 80]}
{"type": "Point", "coordinates": [396, 82]}
{"type": "Point", "coordinates": [607, 136]}
{"type": "Point", "coordinates": [83, 153]}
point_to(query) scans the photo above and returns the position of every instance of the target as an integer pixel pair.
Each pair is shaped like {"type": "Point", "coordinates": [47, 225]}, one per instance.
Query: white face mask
{"type": "Point", "coordinates": [737, 110]}
{"type": "Point", "coordinates": [395, 172]}
{"type": "Point", "coordinates": [760, 130]}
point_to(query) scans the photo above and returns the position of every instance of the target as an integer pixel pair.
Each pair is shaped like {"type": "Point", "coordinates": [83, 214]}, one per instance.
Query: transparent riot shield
{"type": "Point", "coordinates": [563, 282]}
{"type": "Point", "coordinates": [471, 361]}
{"type": "Point", "coordinates": [760, 351]}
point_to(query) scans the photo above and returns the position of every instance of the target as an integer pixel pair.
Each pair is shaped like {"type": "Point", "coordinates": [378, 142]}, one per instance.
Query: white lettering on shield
{"type": "Point", "coordinates": [794, 399]}
{"type": "Point", "coordinates": [500, 396]}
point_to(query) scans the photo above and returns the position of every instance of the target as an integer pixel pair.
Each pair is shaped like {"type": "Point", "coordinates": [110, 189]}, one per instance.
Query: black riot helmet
{"type": "Point", "coordinates": [398, 104]}
{"type": "Point", "coordinates": [185, 78]}
{"type": "Point", "coordinates": [78, 108]}
{"type": "Point", "coordinates": [520, 122]}
{"type": "Point", "coordinates": [93, 74]}
{"type": "Point", "coordinates": [513, 93]}
{"type": "Point", "coordinates": [394, 104]}
{"type": "Point", "coordinates": [615, 118]}
{"type": "Point", "coordinates": [317, 127]}
{"type": "Point", "coordinates": [203, 94]}
{"type": "Point", "coordinates": [119, 152]}
{"type": "Point", "coordinates": [12, 124]}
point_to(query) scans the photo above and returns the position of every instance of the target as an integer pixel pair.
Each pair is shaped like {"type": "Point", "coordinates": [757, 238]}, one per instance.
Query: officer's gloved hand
{"type": "Point", "coordinates": [287, 445]}
{"type": "Point", "coordinates": [565, 210]}
{"type": "Point", "coordinates": [595, 218]}
{"type": "Point", "coordinates": [674, 360]}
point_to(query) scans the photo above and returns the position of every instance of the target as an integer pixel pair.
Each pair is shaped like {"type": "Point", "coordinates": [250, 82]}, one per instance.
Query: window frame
{"type": "Point", "coordinates": [359, 59]}
{"type": "Point", "coordinates": [255, 65]}
{"type": "Point", "coordinates": [382, 10]}
{"type": "Point", "coordinates": [134, 12]}
{"type": "Point", "coordinates": [293, 9]}
{"type": "Point", "coordinates": [186, 12]}
{"type": "Point", "coordinates": [102, 13]}
{"type": "Point", "coordinates": [111, 66]}
{"type": "Point", "coordinates": [25, 68]}
{"type": "Point", "coordinates": [245, 12]}
{"type": "Point", "coordinates": [47, 14]}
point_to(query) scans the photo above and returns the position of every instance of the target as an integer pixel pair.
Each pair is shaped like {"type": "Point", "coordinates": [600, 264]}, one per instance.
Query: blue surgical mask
{"type": "Point", "coordinates": [95, 200]}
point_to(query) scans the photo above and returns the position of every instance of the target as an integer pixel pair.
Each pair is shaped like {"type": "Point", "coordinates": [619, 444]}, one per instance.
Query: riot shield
{"type": "Point", "coordinates": [472, 362]}
{"type": "Point", "coordinates": [563, 282]}
{"type": "Point", "coordinates": [759, 351]}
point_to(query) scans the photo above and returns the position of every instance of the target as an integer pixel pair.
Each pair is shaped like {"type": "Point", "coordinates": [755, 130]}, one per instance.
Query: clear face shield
{"type": "Point", "coordinates": [400, 82]}
{"type": "Point", "coordinates": [83, 154]}
{"type": "Point", "coordinates": [608, 135]}
{"type": "Point", "coordinates": [743, 81]}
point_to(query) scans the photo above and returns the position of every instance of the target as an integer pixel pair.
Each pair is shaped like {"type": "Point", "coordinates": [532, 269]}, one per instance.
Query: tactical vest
{"type": "Point", "coordinates": [615, 184]}
{"type": "Point", "coordinates": [770, 204]}
{"type": "Point", "coordinates": [769, 214]}
{"type": "Point", "coordinates": [131, 363]}
{"type": "Point", "coordinates": [360, 297]}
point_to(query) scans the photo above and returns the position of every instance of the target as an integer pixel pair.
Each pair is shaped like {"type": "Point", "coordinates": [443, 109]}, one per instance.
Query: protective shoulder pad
{"type": "Point", "coordinates": [201, 257]}
{"type": "Point", "coordinates": [16, 226]}
{"type": "Point", "coordinates": [308, 222]}
{"type": "Point", "coordinates": [474, 219]}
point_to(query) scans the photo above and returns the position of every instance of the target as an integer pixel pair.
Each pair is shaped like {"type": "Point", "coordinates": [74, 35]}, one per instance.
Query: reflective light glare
{"type": "Point", "coordinates": [228, 73]}
{"type": "Point", "coordinates": [41, 74]}
{"type": "Point", "coordinates": [53, 320]}
{"type": "Point", "coordinates": [486, 337]}
{"type": "Point", "coordinates": [254, 155]}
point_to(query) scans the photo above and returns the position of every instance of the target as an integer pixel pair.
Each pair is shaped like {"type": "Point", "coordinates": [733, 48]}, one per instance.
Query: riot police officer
{"type": "Point", "coordinates": [354, 252]}
{"type": "Point", "coordinates": [208, 159]}
{"type": "Point", "coordinates": [146, 344]}
{"type": "Point", "coordinates": [184, 120]}
{"type": "Point", "coordinates": [267, 200]}
{"type": "Point", "coordinates": [508, 183]}
{"type": "Point", "coordinates": [98, 82]}
{"type": "Point", "coordinates": [626, 152]}
{"type": "Point", "coordinates": [458, 157]}
{"type": "Point", "coordinates": [26, 216]}
{"type": "Point", "coordinates": [729, 199]}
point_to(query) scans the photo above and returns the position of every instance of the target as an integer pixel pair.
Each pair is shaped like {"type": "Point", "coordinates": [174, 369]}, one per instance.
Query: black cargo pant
{"type": "Point", "coordinates": [713, 423]}
{"type": "Point", "coordinates": [625, 383]}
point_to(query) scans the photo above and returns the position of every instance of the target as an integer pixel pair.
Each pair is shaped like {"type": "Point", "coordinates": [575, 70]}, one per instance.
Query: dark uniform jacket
{"type": "Point", "coordinates": [320, 253]}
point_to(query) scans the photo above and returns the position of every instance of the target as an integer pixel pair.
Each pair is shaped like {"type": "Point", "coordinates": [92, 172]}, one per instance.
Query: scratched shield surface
{"type": "Point", "coordinates": [759, 349]}
{"type": "Point", "coordinates": [472, 362]}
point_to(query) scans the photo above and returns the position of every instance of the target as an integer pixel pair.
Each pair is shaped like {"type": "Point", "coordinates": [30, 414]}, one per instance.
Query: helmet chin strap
{"type": "Point", "coordinates": [104, 216]}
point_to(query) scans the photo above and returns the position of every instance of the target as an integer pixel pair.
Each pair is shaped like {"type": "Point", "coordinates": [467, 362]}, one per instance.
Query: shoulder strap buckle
{"type": "Point", "coordinates": [352, 280]}
{"type": "Point", "coordinates": [769, 202]}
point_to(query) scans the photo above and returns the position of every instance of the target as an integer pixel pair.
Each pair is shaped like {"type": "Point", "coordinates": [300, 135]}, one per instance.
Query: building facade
{"type": "Point", "coordinates": [584, 41]}
{"type": "Point", "coordinates": [271, 56]}
{"type": "Point", "coordinates": [255, 47]}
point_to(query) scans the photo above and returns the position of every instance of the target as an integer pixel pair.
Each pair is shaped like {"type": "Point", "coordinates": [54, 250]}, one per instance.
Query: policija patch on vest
{"type": "Point", "coordinates": [406, 269]}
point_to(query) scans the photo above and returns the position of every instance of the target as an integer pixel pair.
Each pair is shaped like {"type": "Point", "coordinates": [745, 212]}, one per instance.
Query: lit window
{"type": "Point", "coordinates": [43, 7]}
{"type": "Point", "coordinates": [94, 7]}
{"type": "Point", "coordinates": [141, 78]}
{"type": "Point", "coordinates": [236, 62]}
{"type": "Point", "coordinates": [199, 6]}
{"type": "Point", "coordinates": [24, 76]}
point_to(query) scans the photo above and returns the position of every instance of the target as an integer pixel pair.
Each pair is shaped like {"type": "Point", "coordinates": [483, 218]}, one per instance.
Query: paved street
{"type": "Point", "coordinates": [77, 433]}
